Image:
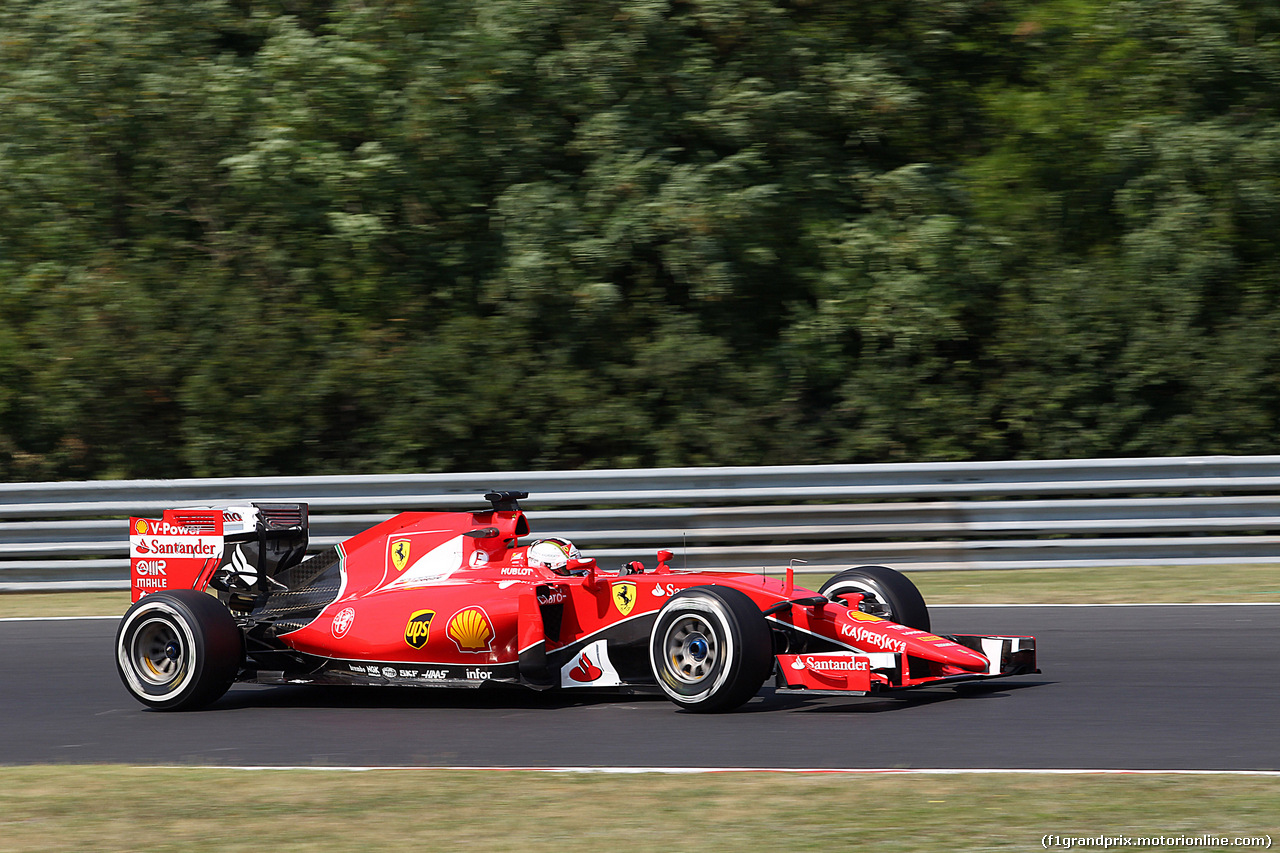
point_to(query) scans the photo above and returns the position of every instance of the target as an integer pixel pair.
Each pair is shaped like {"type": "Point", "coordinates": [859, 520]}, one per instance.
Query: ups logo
{"type": "Point", "coordinates": [418, 628]}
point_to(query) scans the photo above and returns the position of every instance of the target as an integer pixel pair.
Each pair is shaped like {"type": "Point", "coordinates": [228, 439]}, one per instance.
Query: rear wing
{"type": "Point", "coordinates": [237, 549]}
{"type": "Point", "coordinates": [173, 551]}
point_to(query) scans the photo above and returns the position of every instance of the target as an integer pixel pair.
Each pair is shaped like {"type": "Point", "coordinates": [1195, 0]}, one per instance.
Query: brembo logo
{"type": "Point", "coordinates": [418, 628]}
{"type": "Point", "coordinates": [860, 635]}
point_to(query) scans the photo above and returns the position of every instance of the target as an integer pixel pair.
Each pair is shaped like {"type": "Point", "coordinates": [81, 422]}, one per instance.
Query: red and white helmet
{"type": "Point", "coordinates": [553, 554]}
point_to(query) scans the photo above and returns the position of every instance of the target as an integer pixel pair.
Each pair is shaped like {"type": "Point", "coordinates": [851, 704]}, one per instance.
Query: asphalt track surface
{"type": "Point", "coordinates": [1141, 687]}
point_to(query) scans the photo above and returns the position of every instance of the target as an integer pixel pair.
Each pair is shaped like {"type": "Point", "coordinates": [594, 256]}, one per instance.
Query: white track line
{"type": "Point", "coordinates": [852, 771]}
{"type": "Point", "coordinates": [53, 618]}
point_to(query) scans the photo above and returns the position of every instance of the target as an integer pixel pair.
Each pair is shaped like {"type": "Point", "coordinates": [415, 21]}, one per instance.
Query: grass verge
{"type": "Point", "coordinates": [106, 808]}
{"type": "Point", "coordinates": [1167, 584]}
{"type": "Point", "coordinates": [1111, 585]}
{"type": "Point", "coordinates": [63, 604]}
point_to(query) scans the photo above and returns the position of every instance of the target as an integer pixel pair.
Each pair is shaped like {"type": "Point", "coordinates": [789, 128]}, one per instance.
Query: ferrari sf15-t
{"type": "Point", "coordinates": [225, 594]}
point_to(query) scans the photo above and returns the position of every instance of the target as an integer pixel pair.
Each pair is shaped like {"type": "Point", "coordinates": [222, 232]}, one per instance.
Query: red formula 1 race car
{"type": "Point", "coordinates": [449, 599]}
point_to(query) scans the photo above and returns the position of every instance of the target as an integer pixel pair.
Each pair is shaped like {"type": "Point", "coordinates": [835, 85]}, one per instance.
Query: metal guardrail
{"type": "Point", "coordinates": [920, 516]}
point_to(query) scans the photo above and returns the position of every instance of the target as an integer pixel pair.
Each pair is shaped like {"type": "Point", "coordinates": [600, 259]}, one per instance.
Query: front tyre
{"type": "Point", "coordinates": [710, 648]}
{"type": "Point", "coordinates": [897, 597]}
{"type": "Point", "coordinates": [178, 650]}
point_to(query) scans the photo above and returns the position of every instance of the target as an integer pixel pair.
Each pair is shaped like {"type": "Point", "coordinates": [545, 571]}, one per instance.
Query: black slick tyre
{"type": "Point", "coordinates": [900, 601]}
{"type": "Point", "coordinates": [178, 650]}
{"type": "Point", "coordinates": [710, 648]}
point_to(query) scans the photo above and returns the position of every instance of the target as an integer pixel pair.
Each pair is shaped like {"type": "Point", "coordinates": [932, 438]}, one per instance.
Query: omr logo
{"type": "Point", "coordinates": [150, 567]}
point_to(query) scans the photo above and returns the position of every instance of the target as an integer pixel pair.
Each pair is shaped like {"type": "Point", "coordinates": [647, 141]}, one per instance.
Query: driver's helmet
{"type": "Point", "coordinates": [553, 554]}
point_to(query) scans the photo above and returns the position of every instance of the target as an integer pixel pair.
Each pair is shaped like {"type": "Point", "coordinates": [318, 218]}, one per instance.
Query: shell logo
{"type": "Point", "coordinates": [470, 630]}
{"type": "Point", "coordinates": [141, 527]}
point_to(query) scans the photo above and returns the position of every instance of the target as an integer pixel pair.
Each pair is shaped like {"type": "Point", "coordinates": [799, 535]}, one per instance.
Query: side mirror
{"type": "Point", "coordinates": [584, 567]}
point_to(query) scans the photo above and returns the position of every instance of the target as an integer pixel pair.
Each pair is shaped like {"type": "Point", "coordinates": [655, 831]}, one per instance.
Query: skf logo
{"type": "Point", "coordinates": [419, 628]}
{"type": "Point", "coordinates": [400, 554]}
{"type": "Point", "coordinates": [624, 597]}
{"type": "Point", "coordinates": [470, 629]}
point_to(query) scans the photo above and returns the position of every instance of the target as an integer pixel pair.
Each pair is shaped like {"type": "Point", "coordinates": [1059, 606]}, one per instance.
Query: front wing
{"type": "Point", "coordinates": [857, 673]}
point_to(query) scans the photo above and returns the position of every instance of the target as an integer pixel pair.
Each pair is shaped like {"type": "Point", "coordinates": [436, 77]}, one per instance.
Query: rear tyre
{"type": "Point", "coordinates": [900, 601]}
{"type": "Point", "coordinates": [178, 650]}
{"type": "Point", "coordinates": [710, 649]}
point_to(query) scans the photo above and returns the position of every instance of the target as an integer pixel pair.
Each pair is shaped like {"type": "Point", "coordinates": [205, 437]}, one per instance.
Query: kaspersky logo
{"type": "Point", "coordinates": [418, 628]}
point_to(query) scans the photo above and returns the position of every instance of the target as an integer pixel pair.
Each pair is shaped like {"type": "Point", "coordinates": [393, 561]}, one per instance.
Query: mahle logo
{"type": "Point", "coordinates": [419, 628]}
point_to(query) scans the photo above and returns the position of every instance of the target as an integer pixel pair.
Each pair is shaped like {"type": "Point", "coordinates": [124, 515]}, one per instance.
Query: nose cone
{"type": "Point", "coordinates": [945, 651]}
{"type": "Point", "coordinates": [871, 633]}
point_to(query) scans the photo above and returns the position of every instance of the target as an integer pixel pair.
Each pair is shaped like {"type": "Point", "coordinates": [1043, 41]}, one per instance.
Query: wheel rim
{"type": "Point", "coordinates": [157, 652]}
{"type": "Point", "coordinates": [690, 649]}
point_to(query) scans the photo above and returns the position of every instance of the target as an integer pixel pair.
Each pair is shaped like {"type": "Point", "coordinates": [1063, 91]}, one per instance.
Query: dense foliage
{"type": "Point", "coordinates": [295, 236]}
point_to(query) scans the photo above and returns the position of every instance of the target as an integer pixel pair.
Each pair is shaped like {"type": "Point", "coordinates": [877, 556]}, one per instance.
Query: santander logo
{"type": "Point", "coordinates": [586, 671]}
{"type": "Point", "coordinates": [832, 664]}
{"type": "Point", "coordinates": [590, 667]}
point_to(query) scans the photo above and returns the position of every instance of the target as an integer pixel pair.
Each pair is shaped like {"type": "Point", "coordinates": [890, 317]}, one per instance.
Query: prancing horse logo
{"type": "Point", "coordinates": [624, 597]}
{"type": "Point", "coordinates": [400, 554]}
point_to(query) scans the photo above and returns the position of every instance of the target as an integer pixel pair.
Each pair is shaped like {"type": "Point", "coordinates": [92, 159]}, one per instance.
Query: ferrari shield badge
{"type": "Point", "coordinates": [624, 597]}
{"type": "Point", "coordinates": [400, 554]}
